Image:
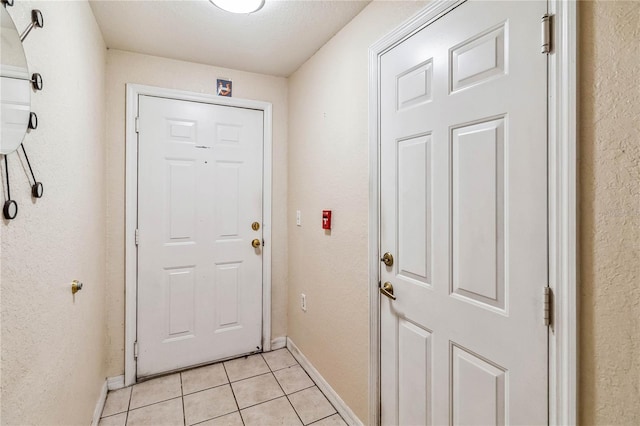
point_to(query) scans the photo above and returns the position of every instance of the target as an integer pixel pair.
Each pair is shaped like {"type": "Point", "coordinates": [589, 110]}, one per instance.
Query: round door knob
{"type": "Point", "coordinates": [255, 243]}
{"type": "Point", "coordinates": [76, 286]}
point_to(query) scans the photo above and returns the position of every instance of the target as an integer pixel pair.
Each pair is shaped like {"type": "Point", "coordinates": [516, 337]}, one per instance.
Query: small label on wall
{"type": "Point", "coordinates": [224, 87]}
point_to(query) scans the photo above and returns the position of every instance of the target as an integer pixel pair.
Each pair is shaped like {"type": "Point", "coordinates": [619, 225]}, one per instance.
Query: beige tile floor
{"type": "Point", "coordinates": [264, 389]}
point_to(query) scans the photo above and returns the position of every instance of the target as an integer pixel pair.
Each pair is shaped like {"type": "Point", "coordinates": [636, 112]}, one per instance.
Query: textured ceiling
{"type": "Point", "coordinates": [275, 40]}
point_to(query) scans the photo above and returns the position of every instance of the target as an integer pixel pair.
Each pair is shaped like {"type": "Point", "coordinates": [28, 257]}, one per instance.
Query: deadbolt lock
{"type": "Point", "coordinates": [255, 226]}
{"type": "Point", "coordinates": [387, 259]}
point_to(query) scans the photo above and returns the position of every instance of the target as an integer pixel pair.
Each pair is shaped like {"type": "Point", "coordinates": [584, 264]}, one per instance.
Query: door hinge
{"type": "Point", "coordinates": [548, 306]}
{"type": "Point", "coordinates": [137, 236]}
{"type": "Point", "coordinates": [135, 349]}
{"type": "Point", "coordinates": [137, 124]}
{"type": "Point", "coordinates": [546, 33]}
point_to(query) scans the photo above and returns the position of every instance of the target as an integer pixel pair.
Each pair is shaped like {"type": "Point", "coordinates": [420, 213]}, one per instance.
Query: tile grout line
{"type": "Point", "coordinates": [216, 417]}
{"type": "Point", "coordinates": [285, 394]}
{"type": "Point", "coordinates": [249, 377]}
{"type": "Point", "coordinates": [263, 402]}
{"type": "Point", "coordinates": [126, 419]}
{"type": "Point", "coordinates": [154, 403]}
{"type": "Point", "coordinates": [252, 377]}
{"type": "Point", "coordinates": [184, 413]}
{"type": "Point", "coordinates": [324, 418]}
{"type": "Point", "coordinates": [224, 367]}
{"type": "Point", "coordinates": [209, 388]}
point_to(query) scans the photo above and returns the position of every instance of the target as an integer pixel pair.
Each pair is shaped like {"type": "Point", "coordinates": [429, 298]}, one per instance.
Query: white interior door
{"type": "Point", "coordinates": [464, 214]}
{"type": "Point", "coordinates": [199, 191]}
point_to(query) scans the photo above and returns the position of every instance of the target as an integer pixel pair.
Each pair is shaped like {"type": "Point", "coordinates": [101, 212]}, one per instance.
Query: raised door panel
{"type": "Point", "coordinates": [414, 209]}
{"type": "Point", "coordinates": [414, 374]}
{"type": "Point", "coordinates": [227, 199]}
{"type": "Point", "coordinates": [228, 301]}
{"type": "Point", "coordinates": [479, 59]}
{"type": "Point", "coordinates": [179, 305]}
{"type": "Point", "coordinates": [477, 175]}
{"type": "Point", "coordinates": [414, 86]}
{"type": "Point", "coordinates": [477, 389]}
{"type": "Point", "coordinates": [181, 199]}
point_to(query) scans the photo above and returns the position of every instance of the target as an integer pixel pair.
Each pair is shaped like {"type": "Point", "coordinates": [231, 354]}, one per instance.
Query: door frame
{"type": "Point", "coordinates": [562, 205]}
{"type": "Point", "coordinates": [131, 207]}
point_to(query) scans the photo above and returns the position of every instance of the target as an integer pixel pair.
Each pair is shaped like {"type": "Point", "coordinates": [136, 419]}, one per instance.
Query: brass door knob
{"type": "Point", "coordinates": [387, 259]}
{"type": "Point", "coordinates": [387, 290]}
{"type": "Point", "coordinates": [256, 243]}
{"type": "Point", "coordinates": [76, 286]}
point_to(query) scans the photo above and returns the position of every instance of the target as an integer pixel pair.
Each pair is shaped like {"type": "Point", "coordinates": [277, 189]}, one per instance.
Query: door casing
{"type": "Point", "coordinates": [131, 207]}
{"type": "Point", "coordinates": [562, 204]}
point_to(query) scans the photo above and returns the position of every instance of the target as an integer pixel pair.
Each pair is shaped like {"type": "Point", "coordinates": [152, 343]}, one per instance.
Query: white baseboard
{"type": "Point", "coordinates": [278, 343]}
{"type": "Point", "coordinates": [347, 414]}
{"type": "Point", "coordinates": [97, 412]}
{"type": "Point", "coordinates": [116, 382]}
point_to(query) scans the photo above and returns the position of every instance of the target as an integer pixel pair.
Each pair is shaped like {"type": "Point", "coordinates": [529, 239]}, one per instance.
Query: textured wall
{"type": "Point", "coordinates": [53, 360]}
{"type": "Point", "coordinates": [126, 67]}
{"type": "Point", "coordinates": [610, 212]}
{"type": "Point", "coordinates": [329, 169]}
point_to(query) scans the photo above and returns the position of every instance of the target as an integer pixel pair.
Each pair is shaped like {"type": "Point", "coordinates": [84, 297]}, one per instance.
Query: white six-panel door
{"type": "Point", "coordinates": [199, 191]}
{"type": "Point", "coordinates": [464, 214]}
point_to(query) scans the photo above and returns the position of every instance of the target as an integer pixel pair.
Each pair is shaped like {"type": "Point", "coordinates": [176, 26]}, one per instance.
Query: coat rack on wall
{"type": "Point", "coordinates": [17, 118]}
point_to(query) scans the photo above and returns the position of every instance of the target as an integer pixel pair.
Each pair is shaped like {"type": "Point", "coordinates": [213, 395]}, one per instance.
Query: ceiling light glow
{"type": "Point", "coordinates": [239, 6]}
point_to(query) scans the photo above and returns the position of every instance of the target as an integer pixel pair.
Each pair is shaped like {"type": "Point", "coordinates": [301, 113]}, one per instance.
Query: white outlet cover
{"type": "Point", "coordinates": [298, 218]}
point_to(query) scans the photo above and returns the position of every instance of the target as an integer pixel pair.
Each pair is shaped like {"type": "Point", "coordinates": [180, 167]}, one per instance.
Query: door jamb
{"type": "Point", "coordinates": [131, 207]}
{"type": "Point", "coordinates": [562, 178]}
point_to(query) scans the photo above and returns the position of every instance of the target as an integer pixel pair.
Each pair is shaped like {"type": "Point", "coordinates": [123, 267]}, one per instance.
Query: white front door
{"type": "Point", "coordinates": [464, 214]}
{"type": "Point", "coordinates": [199, 192]}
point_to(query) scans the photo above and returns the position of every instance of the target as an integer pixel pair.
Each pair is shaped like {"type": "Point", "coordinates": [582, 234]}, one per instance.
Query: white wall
{"type": "Point", "coordinates": [53, 360]}
{"type": "Point", "coordinates": [328, 169]}
{"type": "Point", "coordinates": [126, 67]}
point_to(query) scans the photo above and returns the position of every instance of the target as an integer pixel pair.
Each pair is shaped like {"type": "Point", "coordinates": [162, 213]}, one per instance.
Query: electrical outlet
{"type": "Point", "coordinates": [303, 302]}
{"type": "Point", "coordinates": [298, 218]}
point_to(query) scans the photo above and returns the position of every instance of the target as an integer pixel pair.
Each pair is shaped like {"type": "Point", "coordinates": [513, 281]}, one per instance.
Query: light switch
{"type": "Point", "coordinates": [298, 218]}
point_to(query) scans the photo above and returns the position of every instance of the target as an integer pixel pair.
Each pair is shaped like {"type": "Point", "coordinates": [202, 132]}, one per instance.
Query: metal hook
{"type": "Point", "coordinates": [37, 21]}
{"type": "Point", "coordinates": [37, 189]}
{"type": "Point", "coordinates": [10, 208]}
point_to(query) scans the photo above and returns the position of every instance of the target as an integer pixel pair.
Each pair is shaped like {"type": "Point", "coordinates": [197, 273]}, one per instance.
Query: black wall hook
{"type": "Point", "coordinates": [36, 81]}
{"type": "Point", "coordinates": [10, 208]}
{"type": "Point", "coordinates": [37, 21]}
{"type": "Point", "coordinates": [33, 121]}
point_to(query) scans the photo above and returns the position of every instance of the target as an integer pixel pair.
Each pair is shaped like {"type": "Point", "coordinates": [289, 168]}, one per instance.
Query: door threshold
{"type": "Point", "coordinates": [191, 367]}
